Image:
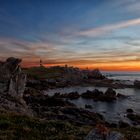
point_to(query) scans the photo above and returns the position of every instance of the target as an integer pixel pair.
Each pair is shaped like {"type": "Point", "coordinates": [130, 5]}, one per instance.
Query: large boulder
{"type": "Point", "coordinates": [110, 92]}
{"type": "Point", "coordinates": [12, 86]}
{"type": "Point", "coordinates": [137, 84]}
{"type": "Point", "coordinates": [12, 79]}
{"type": "Point", "coordinates": [95, 94]}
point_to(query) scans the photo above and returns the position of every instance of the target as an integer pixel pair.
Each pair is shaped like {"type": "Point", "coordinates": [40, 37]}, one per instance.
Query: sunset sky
{"type": "Point", "coordinates": [82, 33]}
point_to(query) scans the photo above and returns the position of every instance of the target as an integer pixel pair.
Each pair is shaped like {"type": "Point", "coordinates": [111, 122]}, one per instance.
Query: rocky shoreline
{"type": "Point", "coordinates": [21, 93]}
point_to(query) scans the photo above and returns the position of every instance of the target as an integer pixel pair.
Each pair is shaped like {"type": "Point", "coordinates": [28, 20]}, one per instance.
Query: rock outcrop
{"type": "Point", "coordinates": [137, 84]}
{"type": "Point", "coordinates": [12, 80]}
{"type": "Point", "coordinates": [96, 74]}
{"type": "Point", "coordinates": [109, 95]}
{"type": "Point", "coordinates": [12, 86]}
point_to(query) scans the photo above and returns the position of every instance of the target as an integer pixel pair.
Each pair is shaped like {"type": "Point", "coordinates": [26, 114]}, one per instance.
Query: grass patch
{"type": "Point", "coordinates": [130, 133]}
{"type": "Point", "coordinates": [14, 126]}
{"type": "Point", "coordinates": [43, 72]}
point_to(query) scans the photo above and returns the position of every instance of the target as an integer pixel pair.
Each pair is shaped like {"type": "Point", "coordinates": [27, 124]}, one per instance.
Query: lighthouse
{"type": "Point", "coordinates": [41, 63]}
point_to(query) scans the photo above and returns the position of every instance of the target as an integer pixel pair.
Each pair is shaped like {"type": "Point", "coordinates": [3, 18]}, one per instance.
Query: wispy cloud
{"type": "Point", "coordinates": [94, 32]}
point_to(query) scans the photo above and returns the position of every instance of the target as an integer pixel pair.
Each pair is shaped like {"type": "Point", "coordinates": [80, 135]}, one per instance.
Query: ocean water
{"type": "Point", "coordinates": [112, 111]}
{"type": "Point", "coordinates": [131, 76]}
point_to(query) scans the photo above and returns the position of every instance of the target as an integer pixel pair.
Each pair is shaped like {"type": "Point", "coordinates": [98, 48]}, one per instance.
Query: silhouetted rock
{"type": "Point", "coordinates": [92, 94]}
{"type": "Point", "coordinates": [111, 125]}
{"type": "Point", "coordinates": [110, 92]}
{"type": "Point", "coordinates": [81, 116]}
{"type": "Point", "coordinates": [73, 95]}
{"type": "Point", "coordinates": [88, 106]}
{"type": "Point", "coordinates": [123, 124]}
{"type": "Point", "coordinates": [134, 117]}
{"type": "Point", "coordinates": [12, 86]}
{"type": "Point", "coordinates": [137, 84]}
{"type": "Point", "coordinates": [129, 110]}
{"type": "Point", "coordinates": [96, 74]}
{"type": "Point", "coordinates": [97, 95]}
{"type": "Point", "coordinates": [119, 95]}
{"type": "Point", "coordinates": [12, 80]}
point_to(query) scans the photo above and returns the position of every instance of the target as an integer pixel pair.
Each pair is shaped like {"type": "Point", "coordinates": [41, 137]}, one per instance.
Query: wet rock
{"type": "Point", "coordinates": [88, 94]}
{"type": "Point", "coordinates": [129, 110]}
{"type": "Point", "coordinates": [91, 94]}
{"type": "Point", "coordinates": [121, 95]}
{"type": "Point", "coordinates": [88, 106]}
{"type": "Point", "coordinates": [137, 84]}
{"type": "Point", "coordinates": [110, 95]}
{"type": "Point", "coordinates": [110, 92]}
{"type": "Point", "coordinates": [112, 125]}
{"type": "Point", "coordinates": [123, 124]}
{"type": "Point", "coordinates": [134, 117]}
{"type": "Point", "coordinates": [73, 95]}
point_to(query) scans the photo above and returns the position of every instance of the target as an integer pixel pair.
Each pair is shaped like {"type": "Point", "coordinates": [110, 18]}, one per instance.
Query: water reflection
{"type": "Point", "coordinates": [113, 111]}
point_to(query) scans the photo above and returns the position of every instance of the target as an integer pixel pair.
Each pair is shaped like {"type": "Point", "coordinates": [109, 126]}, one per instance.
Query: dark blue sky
{"type": "Point", "coordinates": [77, 32]}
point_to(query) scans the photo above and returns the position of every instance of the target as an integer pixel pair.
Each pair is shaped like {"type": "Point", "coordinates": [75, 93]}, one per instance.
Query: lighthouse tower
{"type": "Point", "coordinates": [41, 63]}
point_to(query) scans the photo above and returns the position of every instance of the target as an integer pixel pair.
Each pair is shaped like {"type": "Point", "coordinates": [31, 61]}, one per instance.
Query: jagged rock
{"type": "Point", "coordinates": [17, 85]}
{"type": "Point", "coordinates": [88, 106]}
{"type": "Point", "coordinates": [134, 117]}
{"type": "Point", "coordinates": [8, 68]}
{"type": "Point", "coordinates": [73, 95]}
{"type": "Point", "coordinates": [96, 74]}
{"type": "Point", "coordinates": [110, 92]}
{"type": "Point", "coordinates": [95, 134]}
{"type": "Point", "coordinates": [12, 80]}
{"type": "Point", "coordinates": [95, 94]}
{"type": "Point", "coordinates": [137, 84]}
{"type": "Point", "coordinates": [119, 95]}
{"type": "Point", "coordinates": [123, 124]}
{"type": "Point", "coordinates": [12, 86]}
{"type": "Point", "coordinates": [129, 110]}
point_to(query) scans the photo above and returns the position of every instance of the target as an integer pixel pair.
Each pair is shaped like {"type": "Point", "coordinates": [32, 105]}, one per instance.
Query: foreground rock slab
{"type": "Point", "coordinates": [97, 135]}
{"type": "Point", "coordinates": [12, 86]}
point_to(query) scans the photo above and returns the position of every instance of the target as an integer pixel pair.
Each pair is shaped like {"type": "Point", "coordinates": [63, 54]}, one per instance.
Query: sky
{"type": "Point", "coordinates": [102, 34]}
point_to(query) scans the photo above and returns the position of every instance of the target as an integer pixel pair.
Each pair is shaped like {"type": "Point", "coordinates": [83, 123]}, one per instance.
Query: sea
{"type": "Point", "coordinates": [122, 75]}
{"type": "Point", "coordinates": [112, 111]}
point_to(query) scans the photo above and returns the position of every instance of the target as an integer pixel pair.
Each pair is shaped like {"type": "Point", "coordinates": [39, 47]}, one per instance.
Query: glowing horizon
{"type": "Point", "coordinates": [123, 66]}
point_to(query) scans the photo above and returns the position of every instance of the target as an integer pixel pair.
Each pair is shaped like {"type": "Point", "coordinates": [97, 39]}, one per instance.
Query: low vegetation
{"type": "Point", "coordinates": [15, 126]}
